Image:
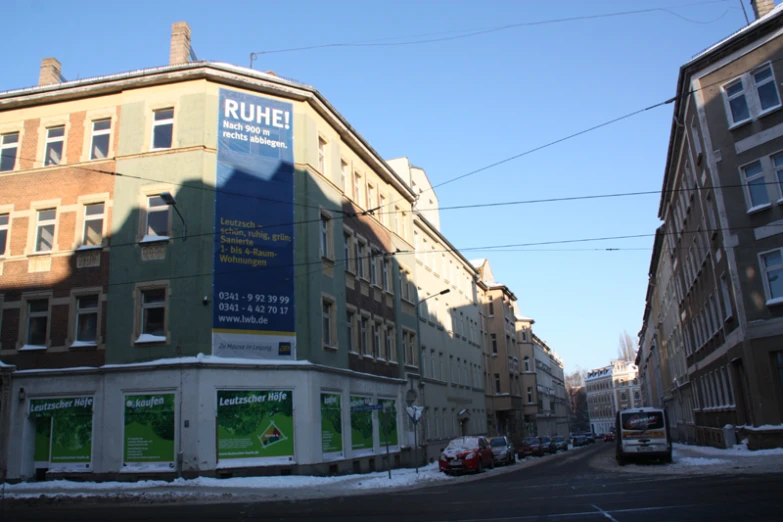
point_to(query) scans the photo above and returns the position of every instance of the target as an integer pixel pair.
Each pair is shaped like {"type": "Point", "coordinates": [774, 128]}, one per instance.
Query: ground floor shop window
{"type": "Point", "coordinates": [63, 433]}
{"type": "Point", "coordinates": [149, 429]}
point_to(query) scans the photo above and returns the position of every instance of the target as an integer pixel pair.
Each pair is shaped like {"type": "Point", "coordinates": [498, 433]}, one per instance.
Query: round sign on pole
{"type": "Point", "coordinates": [411, 396]}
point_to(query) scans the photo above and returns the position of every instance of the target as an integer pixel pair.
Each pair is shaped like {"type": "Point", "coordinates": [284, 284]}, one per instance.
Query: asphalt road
{"type": "Point", "coordinates": [563, 487]}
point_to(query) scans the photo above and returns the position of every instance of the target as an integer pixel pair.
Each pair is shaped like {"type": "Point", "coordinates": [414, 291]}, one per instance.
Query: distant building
{"type": "Point", "coordinates": [610, 389]}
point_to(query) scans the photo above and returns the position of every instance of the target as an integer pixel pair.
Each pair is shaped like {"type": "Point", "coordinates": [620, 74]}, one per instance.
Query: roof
{"type": "Point", "coordinates": [478, 262]}
{"type": "Point", "coordinates": [523, 318]}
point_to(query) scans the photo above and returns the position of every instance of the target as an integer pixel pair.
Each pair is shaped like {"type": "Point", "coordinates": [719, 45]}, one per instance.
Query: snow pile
{"type": "Point", "coordinates": [69, 485]}
{"type": "Point", "coordinates": [698, 461]}
{"type": "Point", "coordinates": [739, 450]}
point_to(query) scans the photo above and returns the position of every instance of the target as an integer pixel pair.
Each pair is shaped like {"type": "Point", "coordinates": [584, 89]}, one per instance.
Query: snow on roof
{"type": "Point", "coordinates": [775, 12]}
{"type": "Point", "coordinates": [478, 262]}
{"type": "Point", "coordinates": [4, 365]}
{"type": "Point", "coordinates": [522, 318]}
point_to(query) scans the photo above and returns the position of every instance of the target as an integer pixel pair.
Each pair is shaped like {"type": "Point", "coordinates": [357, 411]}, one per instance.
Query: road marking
{"type": "Point", "coordinates": [604, 513]}
{"type": "Point", "coordinates": [575, 514]}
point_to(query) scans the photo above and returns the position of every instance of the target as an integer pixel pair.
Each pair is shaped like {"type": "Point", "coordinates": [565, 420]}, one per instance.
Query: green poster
{"type": "Point", "coordinates": [255, 424]}
{"type": "Point", "coordinates": [388, 419]}
{"type": "Point", "coordinates": [331, 423]}
{"type": "Point", "coordinates": [43, 438]}
{"type": "Point", "coordinates": [71, 429]}
{"type": "Point", "coordinates": [149, 428]}
{"type": "Point", "coordinates": [361, 423]}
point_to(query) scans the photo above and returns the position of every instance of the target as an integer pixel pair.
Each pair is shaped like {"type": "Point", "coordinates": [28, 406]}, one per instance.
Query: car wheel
{"type": "Point", "coordinates": [480, 466]}
{"type": "Point", "coordinates": [621, 460]}
{"type": "Point", "coordinates": [668, 458]}
{"type": "Point", "coordinates": [492, 463]}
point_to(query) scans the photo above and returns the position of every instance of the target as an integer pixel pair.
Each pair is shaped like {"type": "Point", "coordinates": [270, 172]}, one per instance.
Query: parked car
{"type": "Point", "coordinates": [462, 454]}
{"type": "Point", "coordinates": [579, 440]}
{"type": "Point", "coordinates": [590, 438]}
{"type": "Point", "coordinates": [609, 437]}
{"type": "Point", "coordinates": [502, 450]}
{"type": "Point", "coordinates": [548, 445]}
{"type": "Point", "coordinates": [529, 447]}
{"type": "Point", "coordinates": [560, 443]}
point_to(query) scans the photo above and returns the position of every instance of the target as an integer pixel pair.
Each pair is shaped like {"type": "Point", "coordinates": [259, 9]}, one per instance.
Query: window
{"type": "Point", "coordinates": [325, 225]}
{"type": "Point", "coordinates": [389, 344]}
{"type": "Point", "coordinates": [385, 274]}
{"type": "Point", "coordinates": [743, 102]}
{"type": "Point", "coordinates": [755, 185]}
{"type": "Point", "coordinates": [162, 129]}
{"type": "Point", "coordinates": [374, 266]}
{"type": "Point", "coordinates": [101, 131]}
{"type": "Point", "coordinates": [157, 217]}
{"type": "Point", "coordinates": [347, 238]}
{"type": "Point", "coordinates": [87, 319]}
{"type": "Point", "coordinates": [527, 363]}
{"type": "Point", "coordinates": [349, 318]}
{"type": "Point", "coordinates": [153, 315]}
{"type": "Point", "coordinates": [53, 153]}
{"type": "Point", "coordinates": [623, 396]}
{"type": "Point", "coordinates": [384, 214]}
{"type": "Point", "coordinates": [494, 343]}
{"type": "Point", "coordinates": [344, 175]}
{"type": "Point", "coordinates": [360, 261]}
{"type": "Point", "coordinates": [772, 267]}
{"type": "Point", "coordinates": [322, 156]}
{"type": "Point", "coordinates": [376, 340]}
{"type": "Point", "coordinates": [5, 219]}
{"type": "Point", "coordinates": [403, 220]}
{"type": "Point", "coordinates": [370, 196]}
{"type": "Point", "coordinates": [724, 289]}
{"type": "Point", "coordinates": [9, 144]}
{"type": "Point", "coordinates": [363, 336]}
{"type": "Point", "coordinates": [491, 309]}
{"type": "Point", "coordinates": [44, 235]}
{"type": "Point", "coordinates": [765, 87]}
{"type": "Point", "coordinates": [357, 186]}
{"type": "Point", "coordinates": [779, 367]}
{"type": "Point", "coordinates": [92, 235]}
{"type": "Point", "coordinates": [37, 322]}
{"type": "Point", "coordinates": [412, 355]}
{"type": "Point", "coordinates": [497, 383]}
{"type": "Point", "coordinates": [777, 165]}
{"type": "Point", "coordinates": [711, 216]}
{"type": "Point", "coordinates": [327, 316]}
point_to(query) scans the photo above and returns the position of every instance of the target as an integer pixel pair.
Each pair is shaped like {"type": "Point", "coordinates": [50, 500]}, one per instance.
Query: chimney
{"type": "Point", "coordinates": [50, 72]}
{"type": "Point", "coordinates": [180, 43]}
{"type": "Point", "coordinates": [762, 7]}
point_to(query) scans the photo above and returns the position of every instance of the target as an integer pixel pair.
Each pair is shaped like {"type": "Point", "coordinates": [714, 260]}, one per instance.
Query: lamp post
{"type": "Point", "coordinates": [170, 201]}
{"type": "Point", "coordinates": [421, 373]}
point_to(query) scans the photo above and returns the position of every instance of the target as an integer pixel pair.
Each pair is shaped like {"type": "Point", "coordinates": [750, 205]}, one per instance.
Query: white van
{"type": "Point", "coordinates": [642, 433]}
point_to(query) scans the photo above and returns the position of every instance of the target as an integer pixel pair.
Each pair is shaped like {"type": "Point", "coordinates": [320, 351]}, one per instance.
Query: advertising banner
{"type": "Point", "coordinates": [361, 424]}
{"type": "Point", "coordinates": [70, 430]}
{"type": "Point", "coordinates": [388, 422]}
{"type": "Point", "coordinates": [149, 429]}
{"type": "Point", "coordinates": [331, 424]}
{"type": "Point", "coordinates": [253, 285]}
{"type": "Point", "coordinates": [255, 424]}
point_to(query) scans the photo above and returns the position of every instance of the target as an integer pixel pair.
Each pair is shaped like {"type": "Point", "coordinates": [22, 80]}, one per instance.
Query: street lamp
{"type": "Point", "coordinates": [421, 373]}
{"type": "Point", "coordinates": [170, 201]}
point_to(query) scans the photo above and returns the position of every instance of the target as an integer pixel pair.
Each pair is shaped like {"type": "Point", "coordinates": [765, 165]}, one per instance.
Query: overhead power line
{"type": "Point", "coordinates": [469, 33]}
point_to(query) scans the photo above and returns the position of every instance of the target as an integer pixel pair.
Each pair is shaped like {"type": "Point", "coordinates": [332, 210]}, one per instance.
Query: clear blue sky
{"type": "Point", "coordinates": [455, 106]}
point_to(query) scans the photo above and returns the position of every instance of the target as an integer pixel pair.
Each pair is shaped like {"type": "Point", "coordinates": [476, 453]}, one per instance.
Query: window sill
{"type": "Point", "coordinates": [87, 248]}
{"type": "Point", "coordinates": [758, 208]}
{"type": "Point", "coordinates": [148, 339]}
{"type": "Point", "coordinates": [780, 201]}
{"type": "Point", "coordinates": [33, 254]}
{"type": "Point", "coordinates": [147, 239]}
{"type": "Point", "coordinates": [83, 344]}
{"type": "Point", "coordinates": [767, 112]}
{"type": "Point", "coordinates": [728, 318]}
{"type": "Point", "coordinates": [32, 348]}
{"type": "Point", "coordinates": [739, 124]}
{"type": "Point", "coordinates": [330, 347]}
{"type": "Point", "coordinates": [327, 259]}
{"type": "Point", "coordinates": [775, 301]}
{"type": "Point", "coordinates": [388, 292]}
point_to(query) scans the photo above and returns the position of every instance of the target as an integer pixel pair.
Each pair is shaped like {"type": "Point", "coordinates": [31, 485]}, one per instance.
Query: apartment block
{"type": "Point", "coordinates": [610, 389]}
{"type": "Point", "coordinates": [712, 328]}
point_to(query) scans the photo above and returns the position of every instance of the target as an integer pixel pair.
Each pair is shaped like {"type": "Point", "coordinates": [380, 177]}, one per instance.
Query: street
{"type": "Point", "coordinates": [577, 486]}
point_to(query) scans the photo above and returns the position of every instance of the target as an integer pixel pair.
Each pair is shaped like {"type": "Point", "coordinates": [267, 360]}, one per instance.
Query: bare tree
{"type": "Point", "coordinates": [575, 379]}
{"type": "Point", "coordinates": [626, 350]}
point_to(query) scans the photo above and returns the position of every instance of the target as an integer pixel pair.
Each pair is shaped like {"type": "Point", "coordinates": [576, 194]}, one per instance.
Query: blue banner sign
{"type": "Point", "coordinates": [253, 284]}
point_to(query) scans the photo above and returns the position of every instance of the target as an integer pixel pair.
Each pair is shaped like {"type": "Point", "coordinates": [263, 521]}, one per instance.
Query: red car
{"type": "Point", "coordinates": [471, 454]}
{"type": "Point", "coordinates": [529, 447]}
{"type": "Point", "coordinates": [609, 437]}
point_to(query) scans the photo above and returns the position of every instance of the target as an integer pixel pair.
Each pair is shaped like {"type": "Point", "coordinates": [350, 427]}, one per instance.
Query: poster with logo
{"type": "Point", "coordinates": [331, 424]}
{"type": "Point", "coordinates": [255, 424]}
{"type": "Point", "coordinates": [69, 432]}
{"type": "Point", "coordinates": [149, 430]}
{"type": "Point", "coordinates": [361, 425]}
{"type": "Point", "coordinates": [253, 284]}
{"type": "Point", "coordinates": [388, 422]}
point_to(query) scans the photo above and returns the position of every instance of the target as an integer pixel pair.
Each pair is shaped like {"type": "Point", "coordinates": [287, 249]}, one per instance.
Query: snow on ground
{"type": "Point", "coordinates": [739, 450]}
{"type": "Point", "coordinates": [698, 461]}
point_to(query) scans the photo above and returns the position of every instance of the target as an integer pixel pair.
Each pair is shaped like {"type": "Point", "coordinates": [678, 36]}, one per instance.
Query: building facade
{"type": "Point", "coordinates": [452, 388]}
{"type": "Point", "coordinates": [223, 213]}
{"type": "Point", "coordinates": [711, 334]}
{"type": "Point", "coordinates": [610, 389]}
